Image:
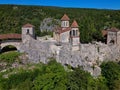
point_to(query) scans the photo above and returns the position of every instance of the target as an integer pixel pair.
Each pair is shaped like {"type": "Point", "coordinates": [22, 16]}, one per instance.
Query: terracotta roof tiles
{"type": "Point", "coordinates": [74, 24]}
{"type": "Point", "coordinates": [65, 18]}
{"type": "Point", "coordinates": [10, 36]}
{"type": "Point", "coordinates": [27, 25]}
{"type": "Point", "coordinates": [113, 29]}
{"type": "Point", "coordinates": [61, 30]}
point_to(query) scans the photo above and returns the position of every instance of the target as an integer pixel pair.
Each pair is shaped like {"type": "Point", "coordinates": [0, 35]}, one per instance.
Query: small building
{"type": "Point", "coordinates": [112, 36]}
{"type": "Point", "coordinates": [67, 33]}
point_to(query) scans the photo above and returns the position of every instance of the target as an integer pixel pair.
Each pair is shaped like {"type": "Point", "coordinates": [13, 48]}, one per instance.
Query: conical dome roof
{"type": "Point", "coordinates": [74, 24]}
{"type": "Point", "coordinates": [65, 18]}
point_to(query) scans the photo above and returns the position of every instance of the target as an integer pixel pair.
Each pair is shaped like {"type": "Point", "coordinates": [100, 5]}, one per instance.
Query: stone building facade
{"type": "Point", "coordinates": [112, 36]}
{"type": "Point", "coordinates": [27, 29]}
{"type": "Point", "coordinates": [67, 33]}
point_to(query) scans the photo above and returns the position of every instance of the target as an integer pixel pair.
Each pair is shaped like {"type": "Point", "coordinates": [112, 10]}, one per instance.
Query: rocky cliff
{"type": "Point", "coordinates": [49, 24]}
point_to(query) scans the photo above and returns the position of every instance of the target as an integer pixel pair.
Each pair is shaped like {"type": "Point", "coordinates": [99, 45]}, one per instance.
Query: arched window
{"type": "Point", "coordinates": [112, 41]}
{"type": "Point", "coordinates": [64, 24]}
{"type": "Point", "coordinates": [70, 33]}
{"type": "Point", "coordinates": [73, 32]}
{"type": "Point", "coordinates": [77, 33]}
{"type": "Point", "coordinates": [27, 31]}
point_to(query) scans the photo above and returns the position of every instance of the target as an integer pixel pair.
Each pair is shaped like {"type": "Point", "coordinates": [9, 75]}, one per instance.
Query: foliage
{"type": "Point", "coordinates": [116, 84]}
{"type": "Point", "coordinates": [82, 80]}
{"type": "Point", "coordinates": [44, 33]}
{"type": "Point", "coordinates": [111, 71]}
{"type": "Point", "coordinates": [9, 57]}
{"type": "Point", "coordinates": [99, 84]}
{"type": "Point", "coordinates": [54, 78]}
{"type": "Point", "coordinates": [20, 79]}
{"type": "Point", "coordinates": [44, 77]}
{"type": "Point", "coordinates": [90, 21]}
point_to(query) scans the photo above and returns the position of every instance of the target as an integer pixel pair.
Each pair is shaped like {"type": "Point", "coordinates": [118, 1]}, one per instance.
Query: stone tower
{"type": "Point", "coordinates": [27, 30]}
{"type": "Point", "coordinates": [65, 21]}
{"type": "Point", "coordinates": [74, 36]}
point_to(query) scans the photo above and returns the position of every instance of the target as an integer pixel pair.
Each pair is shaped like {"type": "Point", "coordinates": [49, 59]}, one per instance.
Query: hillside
{"type": "Point", "coordinates": [91, 21]}
{"type": "Point", "coordinates": [17, 74]}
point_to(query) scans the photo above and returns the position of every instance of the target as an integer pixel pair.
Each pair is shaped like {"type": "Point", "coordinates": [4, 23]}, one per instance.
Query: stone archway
{"type": "Point", "coordinates": [112, 41]}
{"type": "Point", "coordinates": [8, 48]}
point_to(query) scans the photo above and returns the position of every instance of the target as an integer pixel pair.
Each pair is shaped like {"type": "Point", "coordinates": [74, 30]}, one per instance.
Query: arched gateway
{"type": "Point", "coordinates": [10, 39]}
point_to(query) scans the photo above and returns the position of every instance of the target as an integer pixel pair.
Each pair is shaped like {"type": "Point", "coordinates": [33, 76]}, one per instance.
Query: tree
{"type": "Point", "coordinates": [79, 80]}
{"type": "Point", "coordinates": [111, 71]}
{"type": "Point", "coordinates": [53, 78]}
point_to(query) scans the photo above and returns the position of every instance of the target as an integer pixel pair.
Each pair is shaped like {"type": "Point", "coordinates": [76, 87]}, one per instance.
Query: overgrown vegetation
{"type": "Point", "coordinates": [9, 57]}
{"type": "Point", "coordinates": [111, 71]}
{"type": "Point", "coordinates": [44, 33]}
{"type": "Point", "coordinates": [91, 21]}
{"type": "Point", "coordinates": [53, 76]}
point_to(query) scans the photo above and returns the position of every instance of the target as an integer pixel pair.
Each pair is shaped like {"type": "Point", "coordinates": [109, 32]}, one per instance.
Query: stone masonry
{"type": "Point", "coordinates": [89, 57]}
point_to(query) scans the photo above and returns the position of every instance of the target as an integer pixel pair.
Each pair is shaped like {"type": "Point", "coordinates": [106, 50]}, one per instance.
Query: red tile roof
{"type": "Point", "coordinates": [113, 29]}
{"type": "Point", "coordinates": [74, 24]}
{"type": "Point", "coordinates": [104, 32]}
{"type": "Point", "coordinates": [28, 25]}
{"type": "Point", "coordinates": [10, 36]}
{"type": "Point", "coordinates": [62, 30]}
{"type": "Point", "coordinates": [65, 18]}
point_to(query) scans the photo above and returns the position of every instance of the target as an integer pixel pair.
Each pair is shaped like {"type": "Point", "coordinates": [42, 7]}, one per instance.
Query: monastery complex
{"type": "Point", "coordinates": [65, 46]}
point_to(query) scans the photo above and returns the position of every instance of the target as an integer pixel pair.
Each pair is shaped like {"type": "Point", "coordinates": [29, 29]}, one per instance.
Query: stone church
{"type": "Point", "coordinates": [67, 33]}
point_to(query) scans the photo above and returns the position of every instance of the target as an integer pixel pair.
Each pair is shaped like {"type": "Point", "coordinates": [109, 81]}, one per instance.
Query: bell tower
{"type": "Point", "coordinates": [74, 36]}
{"type": "Point", "coordinates": [27, 29]}
{"type": "Point", "coordinates": [65, 21]}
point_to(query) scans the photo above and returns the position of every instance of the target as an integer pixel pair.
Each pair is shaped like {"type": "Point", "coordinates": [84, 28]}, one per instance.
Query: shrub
{"type": "Point", "coordinates": [111, 71]}
{"type": "Point", "coordinates": [9, 57]}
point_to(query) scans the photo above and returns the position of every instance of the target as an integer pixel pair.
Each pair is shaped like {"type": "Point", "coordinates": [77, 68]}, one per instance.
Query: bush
{"type": "Point", "coordinates": [9, 57]}
{"type": "Point", "coordinates": [82, 80]}
{"type": "Point", "coordinates": [111, 71]}
{"type": "Point", "coordinates": [54, 77]}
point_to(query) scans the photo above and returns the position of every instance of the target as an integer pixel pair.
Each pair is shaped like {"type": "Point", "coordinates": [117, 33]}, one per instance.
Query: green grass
{"type": "Point", "coordinates": [9, 57]}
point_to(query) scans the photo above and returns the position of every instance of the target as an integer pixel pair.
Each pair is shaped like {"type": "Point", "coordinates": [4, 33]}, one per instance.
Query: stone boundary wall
{"type": "Point", "coordinates": [89, 57]}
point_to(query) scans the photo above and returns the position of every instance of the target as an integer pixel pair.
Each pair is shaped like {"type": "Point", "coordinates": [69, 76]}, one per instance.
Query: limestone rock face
{"type": "Point", "coordinates": [49, 24]}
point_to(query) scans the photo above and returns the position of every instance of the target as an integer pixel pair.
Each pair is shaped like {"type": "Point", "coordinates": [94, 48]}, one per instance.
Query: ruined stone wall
{"type": "Point", "coordinates": [89, 57]}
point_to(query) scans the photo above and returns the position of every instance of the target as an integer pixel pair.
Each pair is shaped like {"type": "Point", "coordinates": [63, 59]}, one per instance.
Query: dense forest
{"type": "Point", "coordinates": [54, 76]}
{"type": "Point", "coordinates": [91, 21]}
